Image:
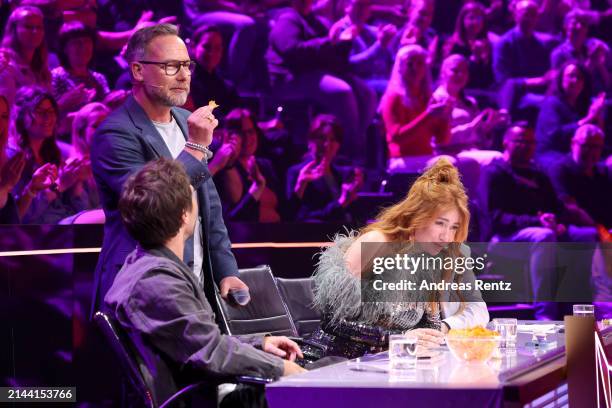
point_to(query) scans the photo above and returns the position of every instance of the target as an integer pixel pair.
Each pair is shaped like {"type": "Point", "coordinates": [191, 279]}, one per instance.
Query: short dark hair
{"type": "Point", "coordinates": [323, 123]}
{"type": "Point", "coordinates": [70, 31]}
{"type": "Point", "coordinates": [139, 41]}
{"type": "Point", "coordinates": [154, 200]}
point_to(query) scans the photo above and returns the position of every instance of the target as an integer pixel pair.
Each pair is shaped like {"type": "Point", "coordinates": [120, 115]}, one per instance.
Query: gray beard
{"type": "Point", "coordinates": [167, 99]}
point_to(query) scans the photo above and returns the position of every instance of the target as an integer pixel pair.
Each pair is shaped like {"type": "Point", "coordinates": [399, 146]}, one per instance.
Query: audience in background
{"type": "Point", "coordinates": [582, 181]}
{"type": "Point", "coordinates": [370, 58]}
{"type": "Point", "coordinates": [318, 189]}
{"type": "Point", "coordinates": [36, 114]}
{"type": "Point", "coordinates": [568, 107]}
{"type": "Point", "coordinates": [238, 28]}
{"type": "Point", "coordinates": [469, 27]}
{"type": "Point", "coordinates": [482, 79]}
{"type": "Point", "coordinates": [73, 83]}
{"type": "Point", "coordinates": [412, 119]}
{"type": "Point", "coordinates": [207, 83]}
{"type": "Point", "coordinates": [521, 61]}
{"type": "Point", "coordinates": [248, 186]}
{"type": "Point", "coordinates": [417, 29]}
{"type": "Point", "coordinates": [579, 47]}
{"type": "Point", "coordinates": [10, 170]}
{"type": "Point", "coordinates": [84, 125]}
{"type": "Point", "coordinates": [523, 207]}
{"type": "Point", "coordinates": [336, 56]}
{"type": "Point", "coordinates": [308, 61]}
{"type": "Point", "coordinates": [471, 128]}
{"type": "Point", "coordinates": [24, 46]}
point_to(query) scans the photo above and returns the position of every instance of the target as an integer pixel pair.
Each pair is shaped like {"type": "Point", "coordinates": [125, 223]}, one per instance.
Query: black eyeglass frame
{"type": "Point", "coordinates": [191, 64]}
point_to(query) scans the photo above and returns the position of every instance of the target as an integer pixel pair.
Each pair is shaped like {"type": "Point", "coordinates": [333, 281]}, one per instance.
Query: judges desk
{"type": "Point", "coordinates": [511, 381]}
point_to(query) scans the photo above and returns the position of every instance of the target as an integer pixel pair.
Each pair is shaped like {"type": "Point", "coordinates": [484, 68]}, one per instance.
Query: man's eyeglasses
{"type": "Point", "coordinates": [172, 67]}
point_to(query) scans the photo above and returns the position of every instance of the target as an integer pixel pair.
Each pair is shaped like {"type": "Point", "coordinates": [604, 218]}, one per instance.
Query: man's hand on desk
{"type": "Point", "coordinates": [282, 346]}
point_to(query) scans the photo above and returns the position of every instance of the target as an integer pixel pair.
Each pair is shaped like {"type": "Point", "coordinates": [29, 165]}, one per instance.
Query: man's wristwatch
{"type": "Point", "coordinates": [201, 148]}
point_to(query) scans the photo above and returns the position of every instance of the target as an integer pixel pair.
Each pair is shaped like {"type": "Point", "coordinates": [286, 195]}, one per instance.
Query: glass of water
{"type": "Point", "coordinates": [507, 328]}
{"type": "Point", "coordinates": [584, 310]}
{"type": "Point", "coordinates": [402, 350]}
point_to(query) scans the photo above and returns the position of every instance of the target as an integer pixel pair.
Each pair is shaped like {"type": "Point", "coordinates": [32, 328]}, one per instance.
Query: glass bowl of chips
{"type": "Point", "coordinates": [474, 345]}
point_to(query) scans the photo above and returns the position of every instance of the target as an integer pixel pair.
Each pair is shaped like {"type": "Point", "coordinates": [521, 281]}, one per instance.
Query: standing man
{"type": "Point", "coordinates": [150, 125]}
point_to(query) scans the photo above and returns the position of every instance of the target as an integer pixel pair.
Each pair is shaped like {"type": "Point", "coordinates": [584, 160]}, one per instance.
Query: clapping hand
{"type": "Point", "coordinates": [75, 170]}
{"type": "Point", "coordinates": [43, 178]}
{"type": "Point", "coordinates": [227, 153]}
{"type": "Point", "coordinates": [351, 188]}
{"type": "Point", "coordinates": [386, 34]}
{"type": "Point", "coordinates": [76, 97]}
{"type": "Point", "coordinates": [309, 173]}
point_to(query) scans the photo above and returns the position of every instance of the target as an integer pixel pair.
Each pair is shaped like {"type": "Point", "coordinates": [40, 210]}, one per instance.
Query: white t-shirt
{"type": "Point", "coordinates": [175, 140]}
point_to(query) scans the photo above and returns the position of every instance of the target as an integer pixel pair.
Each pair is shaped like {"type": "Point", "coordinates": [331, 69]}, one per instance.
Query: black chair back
{"type": "Point", "coordinates": [298, 295]}
{"type": "Point", "coordinates": [265, 313]}
{"type": "Point", "coordinates": [147, 372]}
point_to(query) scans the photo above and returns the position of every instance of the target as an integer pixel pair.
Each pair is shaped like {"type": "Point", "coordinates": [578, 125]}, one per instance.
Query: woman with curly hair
{"type": "Point", "coordinates": [432, 221]}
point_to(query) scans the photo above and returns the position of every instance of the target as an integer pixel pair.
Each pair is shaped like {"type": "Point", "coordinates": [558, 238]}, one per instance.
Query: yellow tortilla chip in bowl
{"type": "Point", "coordinates": [475, 345]}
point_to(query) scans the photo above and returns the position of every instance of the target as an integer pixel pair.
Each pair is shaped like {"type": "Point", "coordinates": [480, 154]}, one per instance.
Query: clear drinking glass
{"type": "Point", "coordinates": [402, 351]}
{"type": "Point", "coordinates": [584, 310]}
{"type": "Point", "coordinates": [507, 328]}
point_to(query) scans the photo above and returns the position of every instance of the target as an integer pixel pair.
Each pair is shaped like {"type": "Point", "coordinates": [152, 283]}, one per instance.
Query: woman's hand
{"type": "Point", "coordinates": [74, 171]}
{"type": "Point", "coordinates": [427, 338]}
{"type": "Point", "coordinates": [225, 156]}
{"type": "Point", "coordinates": [386, 33]}
{"type": "Point", "coordinates": [259, 181]}
{"type": "Point", "coordinates": [350, 189]}
{"type": "Point", "coordinates": [310, 172]}
{"type": "Point", "coordinates": [75, 98]}
{"type": "Point", "coordinates": [42, 179]}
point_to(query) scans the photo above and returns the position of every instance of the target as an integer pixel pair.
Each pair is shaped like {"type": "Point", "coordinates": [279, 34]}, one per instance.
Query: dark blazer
{"type": "Point", "coordinates": [123, 143]}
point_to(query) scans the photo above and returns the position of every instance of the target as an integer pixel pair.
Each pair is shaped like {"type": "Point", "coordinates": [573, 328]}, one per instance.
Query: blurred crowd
{"type": "Point", "coordinates": [320, 101]}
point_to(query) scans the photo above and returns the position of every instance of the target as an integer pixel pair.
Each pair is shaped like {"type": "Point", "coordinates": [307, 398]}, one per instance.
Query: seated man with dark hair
{"type": "Point", "coordinates": [524, 207]}
{"type": "Point", "coordinates": [582, 181]}
{"type": "Point", "coordinates": [157, 297]}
